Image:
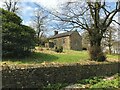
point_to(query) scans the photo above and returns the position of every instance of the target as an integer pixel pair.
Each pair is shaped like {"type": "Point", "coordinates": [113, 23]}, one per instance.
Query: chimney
{"type": "Point", "coordinates": [55, 32]}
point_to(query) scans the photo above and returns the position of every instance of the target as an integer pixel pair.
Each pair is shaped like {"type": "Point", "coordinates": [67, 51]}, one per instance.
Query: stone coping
{"type": "Point", "coordinates": [4, 66]}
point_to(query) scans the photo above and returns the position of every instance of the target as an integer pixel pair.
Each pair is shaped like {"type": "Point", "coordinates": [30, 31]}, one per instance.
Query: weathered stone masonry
{"type": "Point", "coordinates": [37, 77]}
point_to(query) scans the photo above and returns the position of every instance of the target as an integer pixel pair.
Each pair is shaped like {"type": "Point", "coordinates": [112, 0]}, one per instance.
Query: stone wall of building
{"type": "Point", "coordinates": [76, 41]}
{"type": "Point", "coordinates": [62, 41]}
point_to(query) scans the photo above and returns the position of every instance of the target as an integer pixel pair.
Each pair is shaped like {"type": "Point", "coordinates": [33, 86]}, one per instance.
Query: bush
{"type": "Point", "coordinates": [91, 80]}
{"type": "Point", "coordinates": [113, 84]}
{"type": "Point", "coordinates": [59, 49]}
{"type": "Point", "coordinates": [47, 49]}
{"type": "Point", "coordinates": [17, 40]}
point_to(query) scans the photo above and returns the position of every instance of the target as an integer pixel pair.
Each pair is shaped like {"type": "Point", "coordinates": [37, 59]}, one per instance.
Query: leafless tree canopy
{"type": "Point", "coordinates": [95, 17]}
{"type": "Point", "coordinates": [84, 14]}
{"type": "Point", "coordinates": [11, 5]}
{"type": "Point", "coordinates": [39, 21]}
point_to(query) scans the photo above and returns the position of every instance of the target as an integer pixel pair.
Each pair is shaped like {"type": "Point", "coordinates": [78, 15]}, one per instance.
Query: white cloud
{"type": "Point", "coordinates": [27, 10]}
{"type": "Point", "coordinates": [1, 4]}
{"type": "Point", "coordinates": [49, 4]}
{"type": "Point", "coordinates": [116, 18]}
{"type": "Point", "coordinates": [52, 4]}
{"type": "Point", "coordinates": [28, 23]}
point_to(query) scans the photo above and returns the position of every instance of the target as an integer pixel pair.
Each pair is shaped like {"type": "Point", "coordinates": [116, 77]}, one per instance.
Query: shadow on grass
{"type": "Point", "coordinates": [33, 58]}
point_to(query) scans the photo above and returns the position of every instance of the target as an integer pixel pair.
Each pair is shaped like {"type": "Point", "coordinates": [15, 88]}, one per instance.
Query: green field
{"type": "Point", "coordinates": [68, 56]}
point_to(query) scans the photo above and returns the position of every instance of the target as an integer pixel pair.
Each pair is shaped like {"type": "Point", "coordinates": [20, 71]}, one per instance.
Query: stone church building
{"type": "Point", "coordinates": [70, 40]}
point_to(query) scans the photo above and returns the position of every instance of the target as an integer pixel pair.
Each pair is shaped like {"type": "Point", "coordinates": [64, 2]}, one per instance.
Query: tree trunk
{"type": "Point", "coordinates": [110, 51]}
{"type": "Point", "coordinates": [38, 36]}
{"type": "Point", "coordinates": [95, 51]}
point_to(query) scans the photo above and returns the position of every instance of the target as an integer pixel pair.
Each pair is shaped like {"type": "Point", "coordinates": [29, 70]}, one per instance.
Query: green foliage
{"type": "Point", "coordinates": [107, 84]}
{"type": "Point", "coordinates": [18, 40]}
{"type": "Point", "coordinates": [92, 80]}
{"type": "Point", "coordinates": [101, 83]}
{"type": "Point", "coordinates": [59, 49]}
{"type": "Point", "coordinates": [56, 86]}
{"type": "Point", "coordinates": [10, 17]}
{"type": "Point", "coordinates": [98, 82]}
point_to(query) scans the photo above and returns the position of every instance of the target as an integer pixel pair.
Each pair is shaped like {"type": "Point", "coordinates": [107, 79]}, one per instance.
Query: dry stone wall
{"type": "Point", "coordinates": [39, 76]}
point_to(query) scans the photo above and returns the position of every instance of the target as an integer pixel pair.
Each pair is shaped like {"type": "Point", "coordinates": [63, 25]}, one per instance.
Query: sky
{"type": "Point", "coordinates": [28, 7]}
{"type": "Point", "coordinates": [46, 4]}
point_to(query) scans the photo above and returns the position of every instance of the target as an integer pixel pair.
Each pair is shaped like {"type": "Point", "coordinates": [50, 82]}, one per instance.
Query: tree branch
{"type": "Point", "coordinates": [116, 22]}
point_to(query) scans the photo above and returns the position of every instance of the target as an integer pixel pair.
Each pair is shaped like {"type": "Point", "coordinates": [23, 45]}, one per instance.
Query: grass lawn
{"type": "Point", "coordinates": [68, 56]}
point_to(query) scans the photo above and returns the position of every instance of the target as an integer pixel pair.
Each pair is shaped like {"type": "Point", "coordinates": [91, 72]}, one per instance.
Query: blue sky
{"type": "Point", "coordinates": [28, 7]}
{"type": "Point", "coordinates": [27, 12]}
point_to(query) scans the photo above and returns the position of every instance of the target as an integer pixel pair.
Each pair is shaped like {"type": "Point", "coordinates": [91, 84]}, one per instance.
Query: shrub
{"type": "Point", "coordinates": [113, 84]}
{"type": "Point", "coordinates": [91, 80]}
{"type": "Point", "coordinates": [17, 40]}
{"type": "Point", "coordinates": [59, 49]}
{"type": "Point", "coordinates": [56, 50]}
{"type": "Point", "coordinates": [47, 49]}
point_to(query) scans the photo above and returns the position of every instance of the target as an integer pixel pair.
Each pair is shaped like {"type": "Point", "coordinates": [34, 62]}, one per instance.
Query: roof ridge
{"type": "Point", "coordinates": [62, 34]}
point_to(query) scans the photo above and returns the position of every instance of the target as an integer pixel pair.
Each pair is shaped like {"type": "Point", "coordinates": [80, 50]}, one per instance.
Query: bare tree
{"type": "Point", "coordinates": [11, 5]}
{"type": "Point", "coordinates": [39, 20]}
{"type": "Point", "coordinates": [87, 16]}
{"type": "Point", "coordinates": [109, 38]}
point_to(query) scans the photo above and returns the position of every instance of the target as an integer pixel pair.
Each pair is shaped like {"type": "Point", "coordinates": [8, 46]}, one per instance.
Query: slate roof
{"type": "Point", "coordinates": [62, 35]}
